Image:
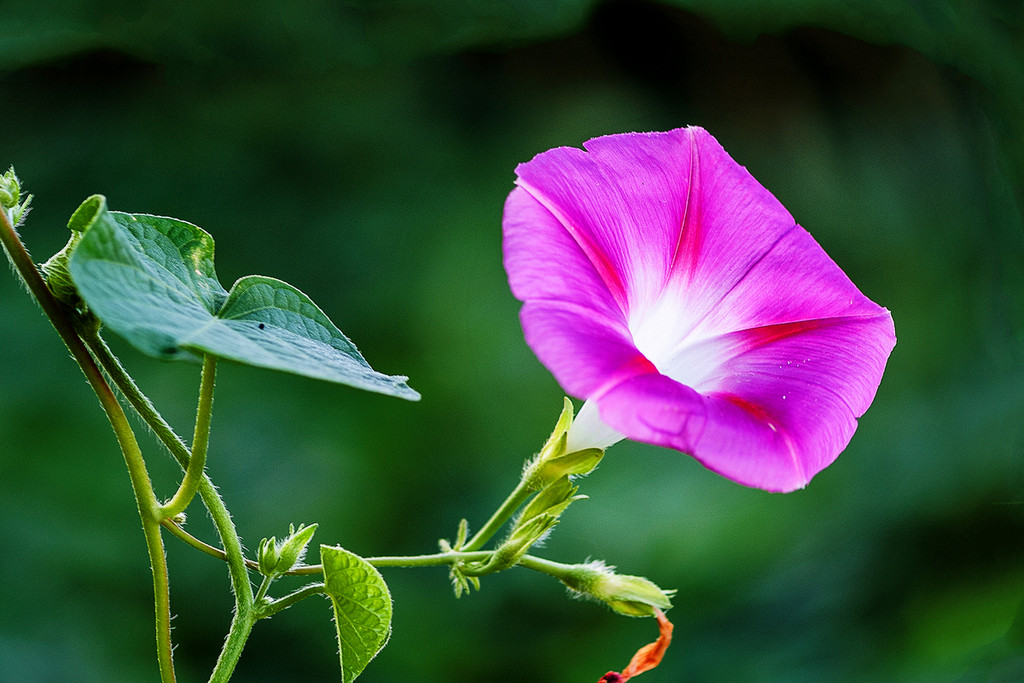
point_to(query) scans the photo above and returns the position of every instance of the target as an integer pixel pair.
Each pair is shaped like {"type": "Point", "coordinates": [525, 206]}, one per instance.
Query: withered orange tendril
{"type": "Point", "coordinates": [647, 657]}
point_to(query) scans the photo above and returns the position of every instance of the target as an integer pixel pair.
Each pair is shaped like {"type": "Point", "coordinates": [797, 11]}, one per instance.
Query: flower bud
{"type": "Point", "coordinates": [277, 558]}
{"type": "Point", "coordinates": [10, 191]}
{"type": "Point", "coordinates": [267, 556]}
{"type": "Point", "coordinates": [523, 537]}
{"type": "Point", "coordinates": [553, 500]}
{"type": "Point", "coordinates": [633, 596]}
{"type": "Point", "coordinates": [10, 195]}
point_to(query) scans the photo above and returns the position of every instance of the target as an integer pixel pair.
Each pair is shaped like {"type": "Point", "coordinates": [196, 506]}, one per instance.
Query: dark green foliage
{"type": "Point", "coordinates": [362, 151]}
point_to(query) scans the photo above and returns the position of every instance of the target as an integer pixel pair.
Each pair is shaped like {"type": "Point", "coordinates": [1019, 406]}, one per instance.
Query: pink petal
{"type": "Point", "coordinates": [662, 281]}
{"type": "Point", "coordinates": [587, 354]}
{"type": "Point", "coordinates": [602, 198]}
{"type": "Point", "coordinates": [772, 415]}
{"type": "Point", "coordinates": [544, 262]}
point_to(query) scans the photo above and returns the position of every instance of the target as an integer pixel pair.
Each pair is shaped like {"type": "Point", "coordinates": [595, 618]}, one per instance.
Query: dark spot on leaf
{"type": "Point", "coordinates": [261, 326]}
{"type": "Point", "coordinates": [169, 350]}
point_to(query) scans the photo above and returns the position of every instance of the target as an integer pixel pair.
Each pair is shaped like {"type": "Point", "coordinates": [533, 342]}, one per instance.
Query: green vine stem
{"type": "Point", "coordinates": [194, 471]}
{"type": "Point", "coordinates": [431, 560]}
{"type": "Point", "coordinates": [244, 617]}
{"type": "Point", "coordinates": [142, 487]}
{"type": "Point", "coordinates": [523, 490]}
{"type": "Point", "coordinates": [274, 606]}
{"type": "Point", "coordinates": [556, 569]}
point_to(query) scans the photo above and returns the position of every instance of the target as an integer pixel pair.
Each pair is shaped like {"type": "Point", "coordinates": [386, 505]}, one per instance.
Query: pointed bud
{"type": "Point", "coordinates": [293, 548]}
{"type": "Point", "coordinates": [10, 189]}
{"type": "Point", "coordinates": [519, 542]}
{"type": "Point", "coordinates": [553, 500]}
{"type": "Point", "coordinates": [10, 195]}
{"type": "Point", "coordinates": [278, 557]}
{"type": "Point", "coordinates": [632, 596]}
{"type": "Point", "coordinates": [266, 555]}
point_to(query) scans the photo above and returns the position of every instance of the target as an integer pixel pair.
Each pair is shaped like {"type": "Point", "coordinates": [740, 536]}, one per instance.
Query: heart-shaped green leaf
{"type": "Point", "coordinates": [362, 608]}
{"type": "Point", "coordinates": [151, 280]}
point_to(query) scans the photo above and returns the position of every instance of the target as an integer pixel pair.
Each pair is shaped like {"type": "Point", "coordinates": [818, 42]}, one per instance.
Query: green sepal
{"type": "Point", "coordinates": [362, 608]}
{"type": "Point", "coordinates": [575, 464]}
{"type": "Point", "coordinates": [553, 500]}
{"type": "Point", "coordinates": [553, 462]}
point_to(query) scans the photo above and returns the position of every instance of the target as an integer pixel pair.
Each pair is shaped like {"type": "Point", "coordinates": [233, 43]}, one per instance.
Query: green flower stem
{"type": "Point", "coordinates": [522, 491]}
{"type": "Point", "coordinates": [200, 443]}
{"type": "Point", "coordinates": [136, 399]}
{"type": "Point", "coordinates": [261, 592]}
{"type": "Point", "coordinates": [241, 627]}
{"type": "Point", "coordinates": [207, 491]}
{"type": "Point", "coordinates": [191, 540]}
{"type": "Point", "coordinates": [556, 569]}
{"type": "Point", "coordinates": [433, 560]}
{"type": "Point", "coordinates": [244, 617]}
{"type": "Point", "coordinates": [145, 497]}
{"type": "Point", "coordinates": [274, 606]}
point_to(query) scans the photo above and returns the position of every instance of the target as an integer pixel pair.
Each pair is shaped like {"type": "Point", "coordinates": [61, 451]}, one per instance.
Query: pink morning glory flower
{"type": "Point", "coordinates": [670, 290]}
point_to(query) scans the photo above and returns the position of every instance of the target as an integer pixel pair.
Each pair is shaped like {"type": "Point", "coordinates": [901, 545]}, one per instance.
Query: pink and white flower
{"type": "Point", "coordinates": [670, 290]}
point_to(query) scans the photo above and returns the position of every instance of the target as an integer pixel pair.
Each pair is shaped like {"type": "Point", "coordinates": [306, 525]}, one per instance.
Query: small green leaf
{"type": "Point", "coordinates": [362, 608]}
{"type": "Point", "coordinates": [152, 280]}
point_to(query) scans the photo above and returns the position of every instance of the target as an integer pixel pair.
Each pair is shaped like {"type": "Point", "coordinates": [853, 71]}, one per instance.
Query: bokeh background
{"type": "Point", "coordinates": [362, 151]}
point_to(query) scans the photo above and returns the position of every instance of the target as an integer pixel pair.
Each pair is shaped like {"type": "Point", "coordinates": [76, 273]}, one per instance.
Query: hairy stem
{"type": "Point", "coordinates": [145, 497]}
{"type": "Point", "coordinates": [274, 606]}
{"type": "Point", "coordinates": [556, 569]}
{"type": "Point", "coordinates": [194, 471]}
{"type": "Point", "coordinates": [243, 620]}
{"type": "Point", "coordinates": [522, 491]}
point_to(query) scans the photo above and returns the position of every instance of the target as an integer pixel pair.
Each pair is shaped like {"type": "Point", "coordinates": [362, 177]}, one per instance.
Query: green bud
{"type": "Point", "coordinates": [633, 596]}
{"type": "Point", "coordinates": [553, 500]}
{"type": "Point", "coordinates": [86, 213]}
{"type": "Point", "coordinates": [278, 557]}
{"type": "Point", "coordinates": [10, 189]}
{"type": "Point", "coordinates": [519, 542]}
{"type": "Point", "coordinates": [10, 195]}
{"type": "Point", "coordinates": [267, 556]}
{"type": "Point", "coordinates": [293, 548]}
{"type": "Point", "coordinates": [55, 270]}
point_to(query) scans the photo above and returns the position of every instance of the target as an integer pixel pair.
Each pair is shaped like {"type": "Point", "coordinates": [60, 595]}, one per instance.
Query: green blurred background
{"type": "Point", "coordinates": [362, 151]}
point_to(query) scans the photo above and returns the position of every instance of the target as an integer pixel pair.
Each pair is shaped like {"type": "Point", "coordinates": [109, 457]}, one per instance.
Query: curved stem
{"type": "Point", "coordinates": [194, 471]}
{"type": "Point", "coordinates": [432, 560]}
{"type": "Point", "coordinates": [145, 497]}
{"type": "Point", "coordinates": [232, 553]}
{"type": "Point", "coordinates": [556, 569]}
{"type": "Point", "coordinates": [231, 652]}
{"type": "Point", "coordinates": [137, 400]}
{"type": "Point", "coordinates": [522, 491]}
{"type": "Point", "coordinates": [261, 593]}
{"type": "Point", "coordinates": [275, 606]}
